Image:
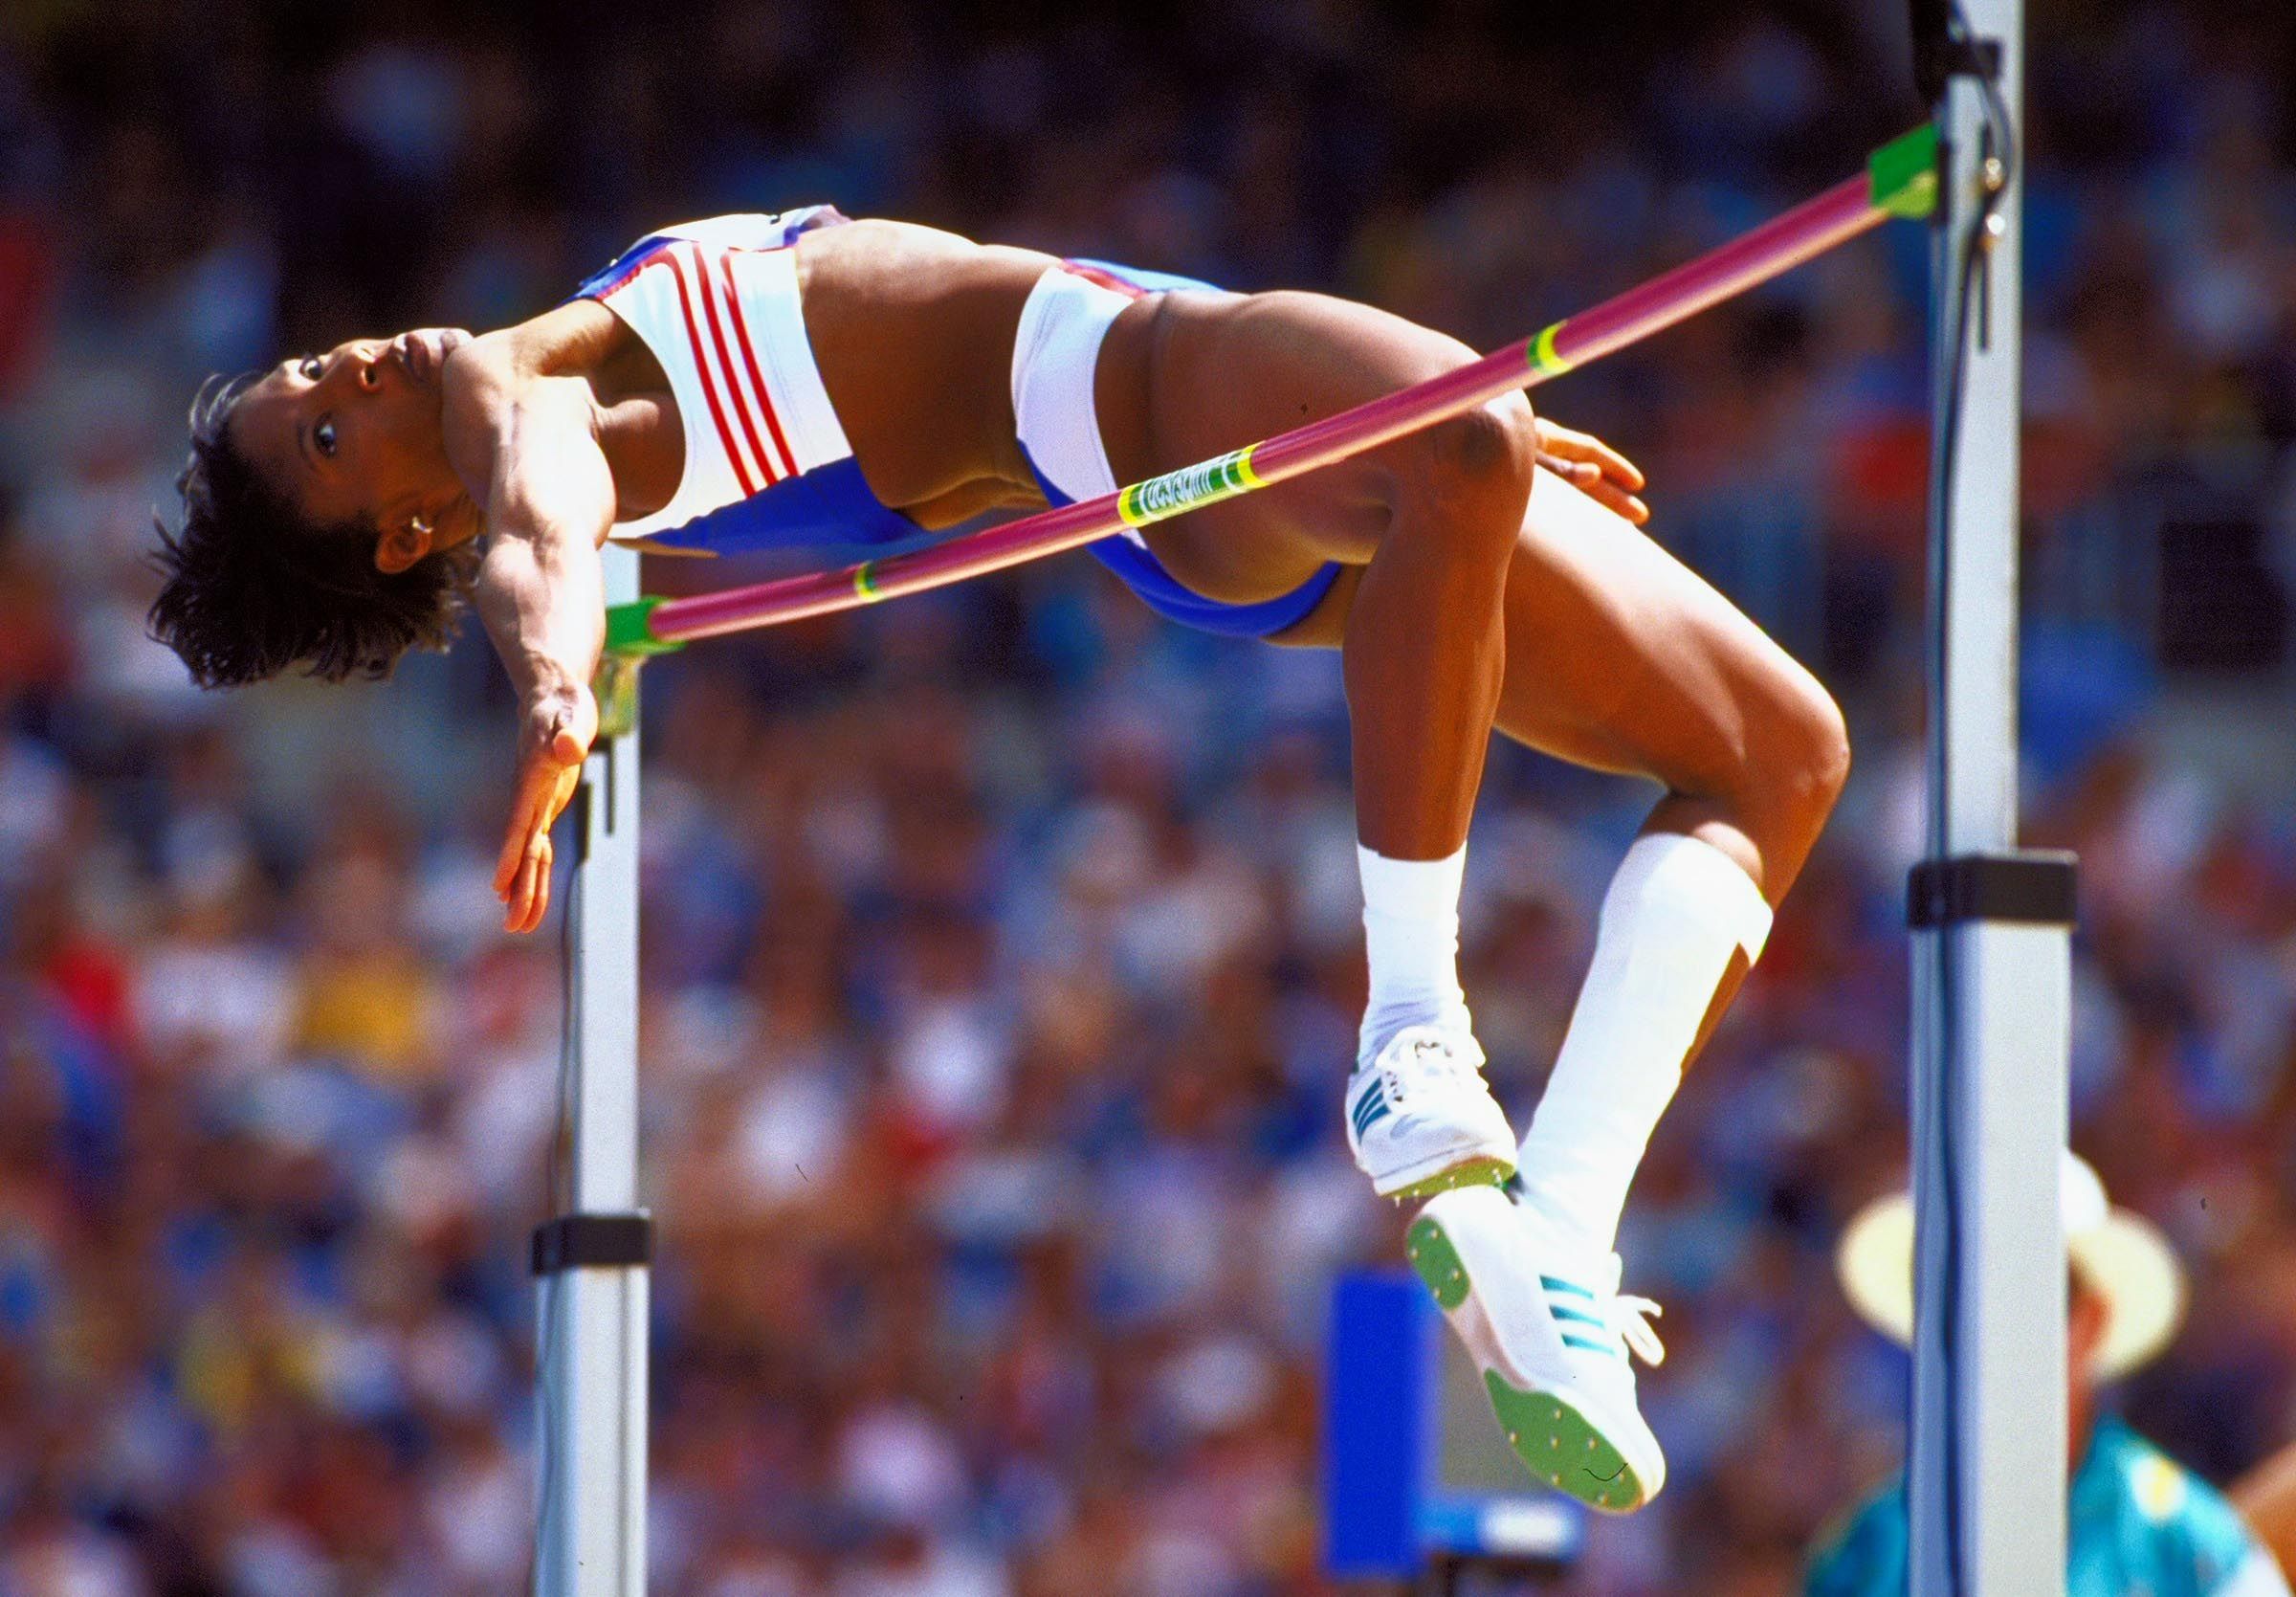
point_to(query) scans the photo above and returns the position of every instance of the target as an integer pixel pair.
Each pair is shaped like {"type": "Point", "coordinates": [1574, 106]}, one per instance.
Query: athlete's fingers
{"type": "Point", "coordinates": [529, 817]}
{"type": "Point", "coordinates": [541, 885]}
{"type": "Point", "coordinates": [531, 896]}
{"type": "Point", "coordinates": [545, 786]}
{"type": "Point", "coordinates": [517, 836]}
{"type": "Point", "coordinates": [513, 891]}
{"type": "Point", "coordinates": [551, 751]}
{"type": "Point", "coordinates": [538, 898]}
{"type": "Point", "coordinates": [558, 789]}
{"type": "Point", "coordinates": [521, 898]}
{"type": "Point", "coordinates": [1618, 468]}
{"type": "Point", "coordinates": [1585, 477]}
{"type": "Point", "coordinates": [1567, 444]}
{"type": "Point", "coordinates": [1607, 492]}
{"type": "Point", "coordinates": [514, 847]}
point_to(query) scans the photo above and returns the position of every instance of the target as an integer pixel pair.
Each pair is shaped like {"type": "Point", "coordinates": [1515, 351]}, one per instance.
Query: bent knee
{"type": "Point", "coordinates": [1831, 747]}
{"type": "Point", "coordinates": [1470, 476]}
{"type": "Point", "coordinates": [1810, 756]}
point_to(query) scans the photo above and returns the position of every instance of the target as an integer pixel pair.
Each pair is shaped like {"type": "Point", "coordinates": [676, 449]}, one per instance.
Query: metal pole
{"type": "Point", "coordinates": [591, 1262]}
{"type": "Point", "coordinates": [1987, 1471]}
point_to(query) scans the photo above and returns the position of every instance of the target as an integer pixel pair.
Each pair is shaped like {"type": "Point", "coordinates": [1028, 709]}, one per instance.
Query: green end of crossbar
{"type": "Point", "coordinates": [629, 642]}
{"type": "Point", "coordinates": [629, 629]}
{"type": "Point", "coordinates": [1902, 176]}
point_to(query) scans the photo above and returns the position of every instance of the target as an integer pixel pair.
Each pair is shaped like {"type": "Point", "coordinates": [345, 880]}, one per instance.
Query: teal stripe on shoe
{"type": "Point", "coordinates": [1572, 1339]}
{"type": "Point", "coordinates": [1554, 1285]}
{"type": "Point", "coordinates": [1563, 1311]}
{"type": "Point", "coordinates": [1369, 1108]}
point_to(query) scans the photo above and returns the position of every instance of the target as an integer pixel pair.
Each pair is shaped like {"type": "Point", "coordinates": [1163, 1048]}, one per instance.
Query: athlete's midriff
{"type": "Point", "coordinates": [912, 331]}
{"type": "Point", "coordinates": [933, 429]}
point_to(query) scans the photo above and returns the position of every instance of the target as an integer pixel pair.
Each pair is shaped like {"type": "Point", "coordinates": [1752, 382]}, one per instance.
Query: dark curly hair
{"type": "Point", "coordinates": [254, 587]}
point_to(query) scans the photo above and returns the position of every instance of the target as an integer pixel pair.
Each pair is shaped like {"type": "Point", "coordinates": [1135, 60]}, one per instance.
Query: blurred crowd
{"type": "Point", "coordinates": [1002, 960]}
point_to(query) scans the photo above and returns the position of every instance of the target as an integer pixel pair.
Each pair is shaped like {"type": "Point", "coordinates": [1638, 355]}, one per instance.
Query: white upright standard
{"type": "Point", "coordinates": [1990, 927]}
{"type": "Point", "coordinates": [591, 1262]}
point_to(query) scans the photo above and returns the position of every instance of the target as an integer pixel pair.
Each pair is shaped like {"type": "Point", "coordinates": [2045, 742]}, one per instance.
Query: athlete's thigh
{"type": "Point", "coordinates": [1620, 657]}
{"type": "Point", "coordinates": [1231, 369]}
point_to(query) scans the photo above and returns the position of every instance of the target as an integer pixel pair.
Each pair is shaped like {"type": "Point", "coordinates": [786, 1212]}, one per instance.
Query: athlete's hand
{"type": "Point", "coordinates": [1594, 468]}
{"type": "Point", "coordinates": [554, 739]}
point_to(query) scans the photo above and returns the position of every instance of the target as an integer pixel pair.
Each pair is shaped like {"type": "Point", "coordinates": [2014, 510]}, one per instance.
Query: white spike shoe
{"type": "Point", "coordinates": [1551, 1335]}
{"type": "Point", "coordinates": [1420, 1119]}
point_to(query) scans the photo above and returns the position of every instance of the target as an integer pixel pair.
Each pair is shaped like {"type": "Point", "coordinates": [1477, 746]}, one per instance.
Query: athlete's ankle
{"type": "Point", "coordinates": [1411, 946]}
{"type": "Point", "coordinates": [1381, 1026]}
{"type": "Point", "coordinates": [1560, 1228]}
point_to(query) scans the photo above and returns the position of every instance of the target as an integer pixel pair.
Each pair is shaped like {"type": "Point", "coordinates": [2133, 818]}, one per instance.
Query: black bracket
{"type": "Point", "coordinates": [592, 1242]}
{"type": "Point", "coordinates": [1943, 53]}
{"type": "Point", "coordinates": [1939, 61]}
{"type": "Point", "coordinates": [2034, 887]}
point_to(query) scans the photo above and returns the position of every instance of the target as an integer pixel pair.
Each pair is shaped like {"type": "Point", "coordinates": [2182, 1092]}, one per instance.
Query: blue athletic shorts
{"type": "Point", "coordinates": [1139, 568]}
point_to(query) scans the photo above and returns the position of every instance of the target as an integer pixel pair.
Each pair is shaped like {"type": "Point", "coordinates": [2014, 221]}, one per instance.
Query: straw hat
{"type": "Point", "coordinates": [2122, 1255]}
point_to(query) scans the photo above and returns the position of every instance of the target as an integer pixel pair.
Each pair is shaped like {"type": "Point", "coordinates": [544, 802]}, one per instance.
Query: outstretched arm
{"type": "Point", "coordinates": [550, 499]}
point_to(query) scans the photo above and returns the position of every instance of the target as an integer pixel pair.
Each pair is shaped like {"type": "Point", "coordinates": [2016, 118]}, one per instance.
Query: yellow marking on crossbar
{"type": "Point", "coordinates": [1543, 358]}
{"type": "Point", "coordinates": [865, 579]}
{"type": "Point", "coordinates": [1251, 478]}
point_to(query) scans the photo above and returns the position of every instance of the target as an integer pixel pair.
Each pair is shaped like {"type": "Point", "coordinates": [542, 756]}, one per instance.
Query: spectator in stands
{"type": "Point", "coordinates": [2137, 1522]}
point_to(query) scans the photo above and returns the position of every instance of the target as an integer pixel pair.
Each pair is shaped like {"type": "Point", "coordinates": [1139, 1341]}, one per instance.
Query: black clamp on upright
{"type": "Point", "coordinates": [1943, 53]}
{"type": "Point", "coordinates": [592, 1242]}
{"type": "Point", "coordinates": [2034, 887]}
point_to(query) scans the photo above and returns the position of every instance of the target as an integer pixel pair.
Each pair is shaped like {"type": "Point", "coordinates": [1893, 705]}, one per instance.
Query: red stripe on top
{"type": "Point", "coordinates": [725, 366]}
{"type": "Point", "coordinates": [1105, 278]}
{"type": "Point", "coordinates": [756, 374]}
{"type": "Point", "coordinates": [709, 390]}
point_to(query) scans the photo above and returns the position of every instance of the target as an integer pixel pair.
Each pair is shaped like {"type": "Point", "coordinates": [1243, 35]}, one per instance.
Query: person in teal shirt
{"type": "Point", "coordinates": [2138, 1523]}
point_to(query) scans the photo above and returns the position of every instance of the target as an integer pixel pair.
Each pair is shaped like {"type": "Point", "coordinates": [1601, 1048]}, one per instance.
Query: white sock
{"type": "Point", "coordinates": [1675, 914]}
{"type": "Point", "coordinates": [1411, 939]}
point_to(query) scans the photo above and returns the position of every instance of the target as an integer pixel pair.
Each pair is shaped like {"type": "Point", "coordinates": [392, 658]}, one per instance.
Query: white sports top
{"type": "Point", "coordinates": [767, 463]}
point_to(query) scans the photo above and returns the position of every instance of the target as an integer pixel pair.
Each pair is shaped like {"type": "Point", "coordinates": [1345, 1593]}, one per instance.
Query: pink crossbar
{"type": "Point", "coordinates": [1777, 246]}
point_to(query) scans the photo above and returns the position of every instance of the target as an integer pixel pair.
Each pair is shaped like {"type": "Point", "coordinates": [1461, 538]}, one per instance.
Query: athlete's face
{"type": "Point", "coordinates": [354, 433]}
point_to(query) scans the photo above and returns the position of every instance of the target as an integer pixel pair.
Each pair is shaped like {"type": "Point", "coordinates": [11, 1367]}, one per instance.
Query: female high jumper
{"type": "Point", "coordinates": [759, 379]}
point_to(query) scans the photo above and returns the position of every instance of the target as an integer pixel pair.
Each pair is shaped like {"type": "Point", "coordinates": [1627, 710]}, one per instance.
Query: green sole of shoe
{"type": "Point", "coordinates": [1552, 1439]}
{"type": "Point", "coordinates": [1562, 1449]}
{"type": "Point", "coordinates": [1476, 1172]}
{"type": "Point", "coordinates": [1429, 1250]}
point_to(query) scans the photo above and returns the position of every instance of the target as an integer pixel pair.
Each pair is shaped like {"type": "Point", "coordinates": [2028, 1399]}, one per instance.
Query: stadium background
{"type": "Point", "coordinates": [1026, 921]}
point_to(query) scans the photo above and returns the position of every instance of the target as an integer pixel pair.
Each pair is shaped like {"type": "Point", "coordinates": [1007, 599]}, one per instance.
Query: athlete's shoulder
{"type": "Point", "coordinates": [567, 336]}
{"type": "Point", "coordinates": [1863, 1553]}
{"type": "Point", "coordinates": [513, 377]}
{"type": "Point", "coordinates": [2199, 1540]}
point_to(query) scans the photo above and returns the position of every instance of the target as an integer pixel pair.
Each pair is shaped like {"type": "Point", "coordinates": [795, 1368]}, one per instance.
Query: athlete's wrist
{"type": "Point", "coordinates": [547, 688]}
